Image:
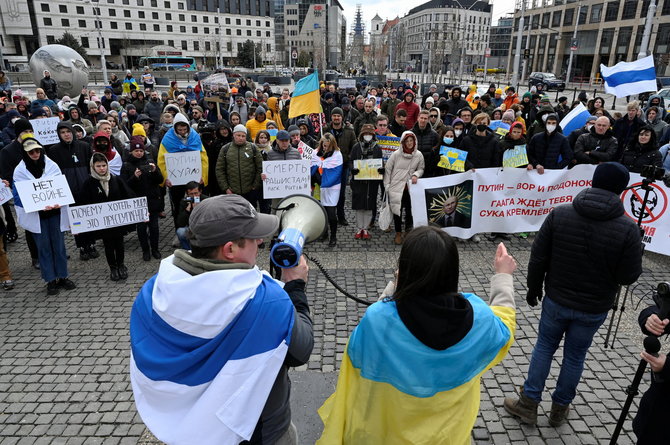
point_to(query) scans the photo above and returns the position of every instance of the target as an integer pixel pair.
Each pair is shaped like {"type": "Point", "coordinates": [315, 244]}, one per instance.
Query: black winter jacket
{"type": "Point", "coordinates": [345, 137]}
{"type": "Point", "coordinates": [601, 148]}
{"type": "Point", "coordinates": [428, 142]}
{"type": "Point", "coordinates": [545, 150]}
{"type": "Point", "coordinates": [483, 151]}
{"type": "Point", "coordinates": [636, 157]}
{"type": "Point", "coordinates": [584, 250]}
{"type": "Point", "coordinates": [364, 192]}
{"type": "Point", "coordinates": [92, 193]}
{"type": "Point", "coordinates": [148, 184]}
{"type": "Point", "coordinates": [10, 157]}
{"type": "Point", "coordinates": [73, 159]}
{"type": "Point", "coordinates": [624, 129]}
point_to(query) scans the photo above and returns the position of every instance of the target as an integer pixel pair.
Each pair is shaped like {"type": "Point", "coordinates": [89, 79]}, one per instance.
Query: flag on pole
{"type": "Point", "coordinates": [306, 98]}
{"type": "Point", "coordinates": [627, 78]}
{"type": "Point", "coordinates": [575, 119]}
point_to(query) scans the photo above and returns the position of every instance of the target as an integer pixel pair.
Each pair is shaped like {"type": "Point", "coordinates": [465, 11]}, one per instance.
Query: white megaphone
{"type": "Point", "coordinates": [302, 219]}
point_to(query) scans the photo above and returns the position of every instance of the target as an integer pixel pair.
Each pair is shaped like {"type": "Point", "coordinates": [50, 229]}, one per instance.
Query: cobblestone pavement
{"type": "Point", "coordinates": [64, 359]}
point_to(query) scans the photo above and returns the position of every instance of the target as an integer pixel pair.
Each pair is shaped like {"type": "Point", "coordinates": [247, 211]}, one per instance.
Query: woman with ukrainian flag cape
{"type": "Point", "coordinates": [412, 368]}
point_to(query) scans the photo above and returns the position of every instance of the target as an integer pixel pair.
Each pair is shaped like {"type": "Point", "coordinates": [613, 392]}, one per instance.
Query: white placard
{"type": "Point", "coordinates": [305, 151]}
{"type": "Point", "coordinates": [45, 130]}
{"type": "Point", "coordinates": [110, 214]}
{"type": "Point", "coordinates": [46, 191]}
{"type": "Point", "coordinates": [346, 83]}
{"type": "Point", "coordinates": [285, 178]}
{"type": "Point", "coordinates": [5, 193]}
{"type": "Point", "coordinates": [183, 167]}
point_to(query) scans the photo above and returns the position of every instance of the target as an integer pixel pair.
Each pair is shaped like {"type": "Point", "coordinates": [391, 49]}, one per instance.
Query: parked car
{"type": "Point", "coordinates": [549, 81]}
{"type": "Point", "coordinates": [665, 94]}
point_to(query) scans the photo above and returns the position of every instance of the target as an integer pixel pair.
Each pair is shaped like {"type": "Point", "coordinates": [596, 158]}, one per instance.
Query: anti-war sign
{"type": "Point", "coordinates": [513, 200]}
{"type": "Point", "coordinates": [183, 167]}
{"type": "Point", "coordinates": [110, 214]}
{"type": "Point", "coordinates": [47, 191]}
{"type": "Point", "coordinates": [45, 130]}
{"type": "Point", "coordinates": [388, 145]}
{"type": "Point", "coordinates": [285, 178]}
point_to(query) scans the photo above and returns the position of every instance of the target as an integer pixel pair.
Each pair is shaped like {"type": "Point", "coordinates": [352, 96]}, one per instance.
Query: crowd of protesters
{"type": "Point", "coordinates": [112, 145]}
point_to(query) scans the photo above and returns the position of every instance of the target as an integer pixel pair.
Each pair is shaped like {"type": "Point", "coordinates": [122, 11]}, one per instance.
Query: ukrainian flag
{"type": "Point", "coordinates": [393, 389]}
{"type": "Point", "coordinates": [306, 98]}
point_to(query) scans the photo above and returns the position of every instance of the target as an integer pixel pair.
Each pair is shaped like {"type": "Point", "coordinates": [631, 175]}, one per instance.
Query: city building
{"type": "Point", "coordinates": [608, 32]}
{"type": "Point", "coordinates": [444, 35]}
{"type": "Point", "coordinates": [132, 29]}
{"type": "Point", "coordinates": [317, 27]}
{"type": "Point", "coordinates": [499, 41]}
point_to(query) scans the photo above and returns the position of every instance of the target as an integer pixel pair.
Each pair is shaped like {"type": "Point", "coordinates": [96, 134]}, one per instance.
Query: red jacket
{"type": "Point", "coordinates": [411, 108]}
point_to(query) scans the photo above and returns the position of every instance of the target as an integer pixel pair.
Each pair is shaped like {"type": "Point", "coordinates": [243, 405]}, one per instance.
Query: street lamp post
{"type": "Point", "coordinates": [101, 41]}
{"type": "Point", "coordinates": [517, 54]}
{"type": "Point", "coordinates": [647, 30]}
{"type": "Point", "coordinates": [572, 53]}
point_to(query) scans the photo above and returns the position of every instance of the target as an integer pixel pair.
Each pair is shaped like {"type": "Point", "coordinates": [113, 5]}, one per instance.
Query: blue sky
{"type": "Point", "coordinates": [389, 9]}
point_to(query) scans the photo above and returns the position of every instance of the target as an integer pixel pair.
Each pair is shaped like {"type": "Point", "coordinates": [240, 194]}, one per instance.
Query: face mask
{"type": "Point", "coordinates": [551, 128]}
{"type": "Point", "coordinates": [367, 137]}
{"type": "Point", "coordinates": [544, 118]}
{"type": "Point", "coordinates": [101, 147]}
{"type": "Point", "coordinates": [448, 141]}
{"type": "Point", "coordinates": [458, 132]}
{"type": "Point", "coordinates": [481, 128]}
{"type": "Point", "coordinates": [167, 125]}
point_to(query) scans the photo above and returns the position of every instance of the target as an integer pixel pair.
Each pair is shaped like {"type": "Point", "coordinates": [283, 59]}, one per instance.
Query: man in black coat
{"type": "Point", "coordinates": [549, 149]}
{"type": "Point", "coordinates": [49, 85]}
{"type": "Point", "coordinates": [454, 104]}
{"type": "Point", "coordinates": [599, 145]}
{"type": "Point", "coordinates": [627, 127]}
{"type": "Point", "coordinates": [427, 141]}
{"type": "Point", "coordinates": [583, 252]}
{"type": "Point", "coordinates": [574, 135]}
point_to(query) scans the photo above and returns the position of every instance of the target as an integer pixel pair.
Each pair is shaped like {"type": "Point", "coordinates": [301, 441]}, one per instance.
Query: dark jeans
{"type": "Point", "coordinates": [346, 172]}
{"type": "Point", "coordinates": [51, 249]}
{"type": "Point", "coordinates": [254, 197]}
{"type": "Point", "coordinates": [578, 328]}
{"type": "Point", "coordinates": [150, 238]}
{"type": "Point", "coordinates": [114, 251]}
{"type": "Point", "coordinates": [407, 207]}
{"type": "Point", "coordinates": [332, 220]}
{"type": "Point", "coordinates": [10, 223]}
{"type": "Point", "coordinates": [32, 245]}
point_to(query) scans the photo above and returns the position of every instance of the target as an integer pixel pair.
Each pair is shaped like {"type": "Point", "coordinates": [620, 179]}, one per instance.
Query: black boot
{"type": "Point", "coordinates": [123, 272]}
{"type": "Point", "coordinates": [92, 251]}
{"type": "Point", "coordinates": [333, 241]}
{"type": "Point", "coordinates": [333, 234]}
{"type": "Point", "coordinates": [114, 273]}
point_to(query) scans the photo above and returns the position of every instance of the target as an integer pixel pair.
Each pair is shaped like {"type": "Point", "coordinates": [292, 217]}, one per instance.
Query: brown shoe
{"type": "Point", "coordinates": [398, 238]}
{"type": "Point", "coordinates": [558, 415]}
{"type": "Point", "coordinates": [524, 408]}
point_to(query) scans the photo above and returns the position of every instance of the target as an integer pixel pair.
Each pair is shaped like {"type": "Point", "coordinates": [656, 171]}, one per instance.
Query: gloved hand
{"type": "Point", "coordinates": [532, 297]}
{"type": "Point", "coordinates": [381, 170]}
{"type": "Point", "coordinates": [355, 171]}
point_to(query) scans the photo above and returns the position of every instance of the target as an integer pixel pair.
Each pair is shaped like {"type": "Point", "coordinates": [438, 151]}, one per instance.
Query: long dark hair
{"type": "Point", "coordinates": [428, 264]}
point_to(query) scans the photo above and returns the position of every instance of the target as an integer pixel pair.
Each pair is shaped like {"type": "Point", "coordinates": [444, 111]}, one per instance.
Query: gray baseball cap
{"type": "Point", "coordinates": [224, 218]}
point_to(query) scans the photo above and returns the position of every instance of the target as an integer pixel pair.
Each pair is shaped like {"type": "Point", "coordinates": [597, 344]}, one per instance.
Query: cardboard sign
{"type": "Point", "coordinates": [515, 157]}
{"type": "Point", "coordinates": [346, 83]}
{"type": "Point", "coordinates": [452, 159]}
{"type": "Point", "coordinates": [305, 151]}
{"type": "Point", "coordinates": [368, 169]}
{"type": "Point", "coordinates": [183, 167]}
{"type": "Point", "coordinates": [5, 193]}
{"type": "Point", "coordinates": [45, 130]}
{"type": "Point", "coordinates": [43, 192]}
{"type": "Point", "coordinates": [388, 144]}
{"type": "Point", "coordinates": [88, 218]}
{"type": "Point", "coordinates": [285, 178]}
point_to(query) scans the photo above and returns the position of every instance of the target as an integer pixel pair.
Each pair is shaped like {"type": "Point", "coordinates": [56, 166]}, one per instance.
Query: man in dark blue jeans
{"type": "Point", "coordinates": [581, 254]}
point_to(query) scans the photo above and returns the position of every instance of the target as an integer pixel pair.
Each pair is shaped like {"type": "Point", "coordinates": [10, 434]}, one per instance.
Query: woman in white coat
{"type": "Point", "coordinates": [48, 225]}
{"type": "Point", "coordinates": [327, 172]}
{"type": "Point", "coordinates": [405, 164]}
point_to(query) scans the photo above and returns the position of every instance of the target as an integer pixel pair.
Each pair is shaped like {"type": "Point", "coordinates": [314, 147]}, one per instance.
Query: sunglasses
{"type": "Point", "coordinates": [34, 150]}
{"type": "Point", "coordinates": [433, 116]}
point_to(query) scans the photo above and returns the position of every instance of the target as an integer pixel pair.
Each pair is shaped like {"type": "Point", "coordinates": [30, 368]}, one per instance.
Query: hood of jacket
{"type": "Point", "coordinates": [598, 204]}
{"type": "Point", "coordinates": [405, 135]}
{"type": "Point", "coordinates": [273, 105]}
{"type": "Point", "coordinates": [68, 125]}
{"type": "Point", "coordinates": [544, 109]}
{"type": "Point", "coordinates": [656, 96]}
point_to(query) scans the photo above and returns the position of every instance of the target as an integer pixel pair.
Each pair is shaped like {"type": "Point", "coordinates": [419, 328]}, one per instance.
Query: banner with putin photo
{"type": "Point", "coordinates": [514, 200]}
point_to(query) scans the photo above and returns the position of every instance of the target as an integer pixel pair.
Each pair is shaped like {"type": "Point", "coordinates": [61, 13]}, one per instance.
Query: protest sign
{"type": "Point", "coordinates": [45, 130]}
{"type": "Point", "coordinates": [106, 215]}
{"type": "Point", "coordinates": [346, 83]}
{"type": "Point", "coordinates": [368, 169]}
{"type": "Point", "coordinates": [513, 200]}
{"type": "Point", "coordinates": [43, 192]}
{"type": "Point", "coordinates": [515, 157]}
{"type": "Point", "coordinates": [388, 145]}
{"type": "Point", "coordinates": [5, 193]}
{"type": "Point", "coordinates": [305, 151]}
{"type": "Point", "coordinates": [452, 159]}
{"type": "Point", "coordinates": [183, 167]}
{"type": "Point", "coordinates": [285, 178]}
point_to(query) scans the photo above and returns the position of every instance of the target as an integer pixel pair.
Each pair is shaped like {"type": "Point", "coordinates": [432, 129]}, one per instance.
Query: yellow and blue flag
{"type": "Point", "coordinates": [306, 98]}
{"type": "Point", "coordinates": [393, 389]}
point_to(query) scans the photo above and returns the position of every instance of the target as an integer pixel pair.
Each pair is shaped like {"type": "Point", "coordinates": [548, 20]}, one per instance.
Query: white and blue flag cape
{"type": "Point", "coordinates": [205, 352]}
{"type": "Point", "coordinates": [628, 78]}
{"type": "Point", "coordinates": [575, 119]}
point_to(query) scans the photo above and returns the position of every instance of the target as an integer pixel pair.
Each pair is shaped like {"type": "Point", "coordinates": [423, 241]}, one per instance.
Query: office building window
{"type": "Point", "coordinates": [157, 27]}
{"type": "Point", "coordinates": [112, 12]}
{"type": "Point", "coordinates": [205, 19]}
{"type": "Point", "coordinates": [227, 20]}
{"type": "Point", "coordinates": [182, 29]}
{"type": "Point", "coordinates": [269, 47]}
{"type": "Point", "coordinates": [82, 23]}
{"type": "Point", "coordinates": [267, 23]}
{"type": "Point", "coordinates": [248, 22]}
{"type": "Point", "coordinates": [168, 16]}
{"type": "Point", "coordinates": [65, 22]}
{"type": "Point", "coordinates": [206, 30]}
{"type": "Point", "coordinates": [556, 19]}
{"type": "Point", "coordinates": [239, 32]}
{"type": "Point", "coordinates": [228, 31]}
{"type": "Point", "coordinates": [50, 40]}
{"type": "Point", "coordinates": [258, 23]}
{"type": "Point", "coordinates": [62, 9]}
{"type": "Point", "coordinates": [583, 13]}
{"type": "Point", "coordinates": [170, 42]}
{"type": "Point", "coordinates": [154, 3]}
{"type": "Point", "coordinates": [623, 41]}
{"type": "Point", "coordinates": [126, 2]}
{"type": "Point", "coordinates": [248, 32]}
{"type": "Point", "coordinates": [208, 45]}
{"type": "Point", "coordinates": [258, 33]}
{"type": "Point", "coordinates": [182, 18]}
{"type": "Point", "coordinates": [126, 13]}
{"type": "Point", "coordinates": [113, 25]}
{"type": "Point", "coordinates": [47, 21]}
{"type": "Point", "coordinates": [194, 18]}
{"type": "Point", "coordinates": [629, 9]}
{"type": "Point", "coordinates": [239, 47]}
{"type": "Point", "coordinates": [196, 46]}
{"type": "Point", "coordinates": [110, 1]}
{"type": "Point", "coordinates": [154, 15]}
{"type": "Point", "coordinates": [140, 14]}
{"type": "Point", "coordinates": [613, 11]}
{"type": "Point", "coordinates": [229, 46]}
{"type": "Point", "coordinates": [195, 29]}
{"type": "Point", "coordinates": [143, 26]}
{"type": "Point", "coordinates": [129, 26]}
{"type": "Point", "coordinates": [665, 11]}
{"type": "Point", "coordinates": [180, 5]}
{"type": "Point", "coordinates": [238, 22]}
{"type": "Point", "coordinates": [45, 7]}
{"type": "Point", "coordinates": [569, 17]}
{"type": "Point", "coordinates": [80, 10]}
{"type": "Point", "coordinates": [267, 33]}
{"type": "Point", "coordinates": [167, 5]}
{"type": "Point", "coordinates": [596, 13]}
{"type": "Point", "coordinates": [140, 2]}
{"type": "Point", "coordinates": [168, 28]}
{"type": "Point", "coordinates": [184, 45]}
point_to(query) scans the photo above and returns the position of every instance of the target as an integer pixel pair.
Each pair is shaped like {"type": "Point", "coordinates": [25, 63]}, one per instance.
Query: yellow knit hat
{"type": "Point", "coordinates": [138, 130]}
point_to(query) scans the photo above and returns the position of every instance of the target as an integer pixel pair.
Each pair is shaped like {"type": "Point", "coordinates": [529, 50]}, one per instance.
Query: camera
{"type": "Point", "coordinates": [661, 297]}
{"type": "Point", "coordinates": [652, 173]}
{"type": "Point", "coordinates": [192, 199]}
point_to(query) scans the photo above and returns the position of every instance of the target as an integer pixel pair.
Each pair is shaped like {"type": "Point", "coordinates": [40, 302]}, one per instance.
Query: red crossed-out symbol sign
{"type": "Point", "coordinates": [653, 209]}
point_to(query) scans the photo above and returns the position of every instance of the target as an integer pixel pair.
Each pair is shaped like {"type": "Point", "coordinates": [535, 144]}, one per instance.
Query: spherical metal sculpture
{"type": "Point", "coordinates": [67, 67]}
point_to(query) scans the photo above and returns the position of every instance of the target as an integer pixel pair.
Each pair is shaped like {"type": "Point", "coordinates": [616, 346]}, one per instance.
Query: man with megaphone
{"type": "Point", "coordinates": [213, 336]}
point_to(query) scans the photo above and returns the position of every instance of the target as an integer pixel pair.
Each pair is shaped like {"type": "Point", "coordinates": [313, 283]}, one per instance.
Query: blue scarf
{"type": "Point", "coordinates": [174, 144]}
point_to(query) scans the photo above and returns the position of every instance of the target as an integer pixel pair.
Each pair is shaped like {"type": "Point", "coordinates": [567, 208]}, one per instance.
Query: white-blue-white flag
{"type": "Point", "coordinates": [206, 350]}
{"type": "Point", "coordinates": [575, 119]}
{"type": "Point", "coordinates": [627, 78]}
